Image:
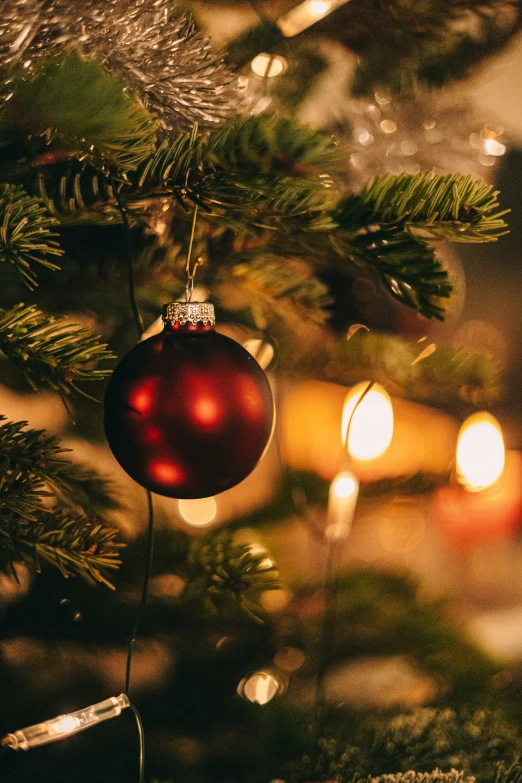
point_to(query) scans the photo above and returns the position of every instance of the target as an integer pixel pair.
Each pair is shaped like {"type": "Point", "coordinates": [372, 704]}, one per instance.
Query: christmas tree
{"type": "Point", "coordinates": [135, 172]}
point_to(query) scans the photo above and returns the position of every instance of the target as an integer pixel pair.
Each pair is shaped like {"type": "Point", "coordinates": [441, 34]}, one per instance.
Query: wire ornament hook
{"type": "Point", "coordinates": [191, 272]}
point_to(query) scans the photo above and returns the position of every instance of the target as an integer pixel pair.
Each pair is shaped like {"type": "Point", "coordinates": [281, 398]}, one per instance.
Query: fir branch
{"type": "Point", "coordinates": [275, 291]}
{"type": "Point", "coordinates": [51, 104]}
{"type": "Point", "coordinates": [35, 456]}
{"type": "Point", "coordinates": [261, 144]}
{"type": "Point", "coordinates": [453, 207]}
{"type": "Point", "coordinates": [48, 507]}
{"type": "Point", "coordinates": [225, 575]}
{"type": "Point", "coordinates": [50, 350]}
{"type": "Point", "coordinates": [446, 375]}
{"type": "Point", "coordinates": [75, 544]}
{"type": "Point", "coordinates": [26, 233]}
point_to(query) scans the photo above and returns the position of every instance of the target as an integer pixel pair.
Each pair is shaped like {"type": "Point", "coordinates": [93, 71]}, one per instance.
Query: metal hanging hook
{"type": "Point", "coordinates": [191, 272]}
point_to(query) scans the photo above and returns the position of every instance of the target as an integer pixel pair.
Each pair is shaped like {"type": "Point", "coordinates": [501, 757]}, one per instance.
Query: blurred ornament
{"type": "Point", "coordinates": [488, 502]}
{"type": "Point", "coordinates": [188, 412]}
{"type": "Point", "coordinates": [155, 50]}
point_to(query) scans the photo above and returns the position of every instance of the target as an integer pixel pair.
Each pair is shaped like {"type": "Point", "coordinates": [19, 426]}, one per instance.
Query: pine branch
{"type": "Point", "coordinates": [26, 233]}
{"type": "Point", "coordinates": [27, 455]}
{"type": "Point", "coordinates": [50, 351]}
{"type": "Point", "coordinates": [453, 207]}
{"type": "Point", "coordinates": [48, 507]}
{"type": "Point", "coordinates": [75, 544]}
{"type": "Point", "coordinates": [51, 104]}
{"type": "Point", "coordinates": [390, 359]}
{"type": "Point", "coordinates": [225, 575]}
{"type": "Point", "coordinates": [274, 291]}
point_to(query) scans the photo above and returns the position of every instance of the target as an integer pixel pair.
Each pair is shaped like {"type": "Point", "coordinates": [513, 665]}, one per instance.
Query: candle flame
{"type": "Point", "coordinates": [367, 427]}
{"type": "Point", "coordinates": [480, 452]}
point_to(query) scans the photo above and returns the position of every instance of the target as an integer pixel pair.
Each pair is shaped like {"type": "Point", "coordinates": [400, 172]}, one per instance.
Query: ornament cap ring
{"type": "Point", "coordinates": [189, 312]}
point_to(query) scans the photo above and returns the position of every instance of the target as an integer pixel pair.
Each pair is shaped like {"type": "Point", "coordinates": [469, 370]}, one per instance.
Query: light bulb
{"type": "Point", "coordinates": [65, 725]}
{"type": "Point", "coordinates": [480, 452]}
{"type": "Point", "coordinates": [367, 427]}
{"type": "Point", "coordinates": [342, 499]}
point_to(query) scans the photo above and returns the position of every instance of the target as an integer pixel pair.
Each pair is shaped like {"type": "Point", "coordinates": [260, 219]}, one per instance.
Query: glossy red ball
{"type": "Point", "coordinates": [189, 412]}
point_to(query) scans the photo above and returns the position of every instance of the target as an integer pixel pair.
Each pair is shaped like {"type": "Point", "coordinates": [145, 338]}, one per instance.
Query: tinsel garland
{"type": "Point", "coordinates": [150, 44]}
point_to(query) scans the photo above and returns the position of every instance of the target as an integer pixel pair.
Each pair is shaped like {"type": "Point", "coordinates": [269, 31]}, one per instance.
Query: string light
{"type": "Point", "coordinates": [261, 687]}
{"type": "Point", "coordinates": [65, 725]}
{"type": "Point", "coordinates": [304, 15]}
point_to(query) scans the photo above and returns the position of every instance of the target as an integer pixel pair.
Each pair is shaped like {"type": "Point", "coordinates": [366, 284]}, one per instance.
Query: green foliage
{"type": "Point", "coordinates": [225, 575]}
{"type": "Point", "coordinates": [447, 374]}
{"type": "Point", "coordinates": [273, 292]}
{"type": "Point", "coordinates": [399, 44]}
{"type": "Point", "coordinates": [50, 351]}
{"type": "Point", "coordinates": [110, 129]}
{"type": "Point", "coordinates": [49, 507]}
{"type": "Point", "coordinates": [27, 233]}
{"type": "Point", "coordinates": [397, 749]}
{"type": "Point", "coordinates": [453, 207]}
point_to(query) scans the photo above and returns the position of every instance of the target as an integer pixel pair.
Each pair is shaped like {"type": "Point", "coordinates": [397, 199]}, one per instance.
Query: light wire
{"type": "Point", "coordinates": [138, 323]}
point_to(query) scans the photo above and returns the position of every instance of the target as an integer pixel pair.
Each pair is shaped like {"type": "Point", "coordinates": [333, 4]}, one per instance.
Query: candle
{"type": "Point", "coordinates": [487, 500]}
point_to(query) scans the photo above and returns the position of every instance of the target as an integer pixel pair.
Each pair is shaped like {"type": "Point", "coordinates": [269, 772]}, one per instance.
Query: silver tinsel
{"type": "Point", "coordinates": [155, 50]}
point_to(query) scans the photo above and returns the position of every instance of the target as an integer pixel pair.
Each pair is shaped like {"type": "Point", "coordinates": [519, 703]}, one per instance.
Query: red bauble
{"type": "Point", "coordinates": [189, 412]}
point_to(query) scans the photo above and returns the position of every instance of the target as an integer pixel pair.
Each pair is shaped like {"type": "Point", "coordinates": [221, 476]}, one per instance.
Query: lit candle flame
{"type": "Point", "coordinates": [369, 431]}
{"type": "Point", "coordinates": [480, 452]}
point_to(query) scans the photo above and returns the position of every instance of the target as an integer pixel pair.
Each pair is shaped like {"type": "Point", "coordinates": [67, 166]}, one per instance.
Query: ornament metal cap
{"type": "Point", "coordinates": [193, 312]}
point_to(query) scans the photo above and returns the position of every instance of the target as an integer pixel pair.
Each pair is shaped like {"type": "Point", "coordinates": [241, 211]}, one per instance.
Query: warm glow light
{"type": "Point", "coordinates": [319, 7]}
{"type": "Point", "coordinates": [480, 452]}
{"type": "Point", "coordinates": [370, 428]}
{"type": "Point", "coordinates": [199, 512]}
{"type": "Point", "coordinates": [343, 486]}
{"type": "Point", "coordinates": [305, 15]}
{"type": "Point", "coordinates": [65, 725]}
{"type": "Point", "coordinates": [260, 688]}
{"type": "Point", "coordinates": [342, 500]}
{"type": "Point", "coordinates": [268, 65]}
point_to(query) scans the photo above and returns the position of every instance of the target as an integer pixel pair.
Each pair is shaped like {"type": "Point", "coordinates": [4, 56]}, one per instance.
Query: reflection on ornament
{"type": "Point", "coordinates": [480, 452]}
{"type": "Point", "coordinates": [260, 688]}
{"type": "Point", "coordinates": [188, 412]}
{"type": "Point", "coordinates": [369, 423]}
{"type": "Point", "coordinates": [198, 512]}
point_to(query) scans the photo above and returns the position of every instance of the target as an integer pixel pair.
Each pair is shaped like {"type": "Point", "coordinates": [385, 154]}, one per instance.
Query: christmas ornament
{"type": "Point", "coordinates": [154, 48]}
{"type": "Point", "coordinates": [188, 412]}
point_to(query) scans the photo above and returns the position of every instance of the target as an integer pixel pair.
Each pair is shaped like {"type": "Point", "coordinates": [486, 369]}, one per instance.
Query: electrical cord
{"type": "Point", "coordinates": [138, 323]}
